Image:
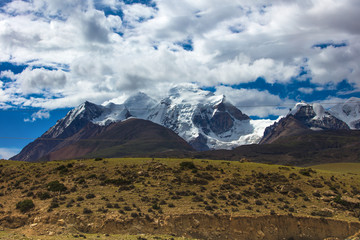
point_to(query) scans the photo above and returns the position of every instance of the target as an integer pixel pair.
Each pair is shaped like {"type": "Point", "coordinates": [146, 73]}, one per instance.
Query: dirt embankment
{"type": "Point", "coordinates": [200, 226]}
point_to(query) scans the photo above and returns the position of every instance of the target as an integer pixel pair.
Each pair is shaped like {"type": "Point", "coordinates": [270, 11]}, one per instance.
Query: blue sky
{"type": "Point", "coordinates": [263, 55]}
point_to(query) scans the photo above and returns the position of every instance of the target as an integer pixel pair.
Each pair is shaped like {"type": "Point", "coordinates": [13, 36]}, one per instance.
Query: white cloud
{"type": "Point", "coordinates": [6, 153]}
{"type": "Point", "coordinates": [98, 57]}
{"type": "Point", "coordinates": [39, 80]}
{"type": "Point", "coordinates": [256, 103]}
{"type": "Point", "coordinates": [42, 114]}
{"type": "Point", "coordinates": [306, 90]}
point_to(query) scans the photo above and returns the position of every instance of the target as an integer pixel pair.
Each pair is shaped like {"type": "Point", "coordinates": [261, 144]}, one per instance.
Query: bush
{"type": "Point", "coordinates": [56, 186]}
{"type": "Point", "coordinates": [306, 171]}
{"type": "Point", "coordinates": [87, 211]}
{"type": "Point", "coordinates": [25, 205]}
{"type": "Point", "coordinates": [187, 165]}
{"type": "Point", "coordinates": [90, 195]}
{"type": "Point", "coordinates": [134, 215]}
{"type": "Point", "coordinates": [79, 198]}
{"type": "Point", "coordinates": [43, 195]}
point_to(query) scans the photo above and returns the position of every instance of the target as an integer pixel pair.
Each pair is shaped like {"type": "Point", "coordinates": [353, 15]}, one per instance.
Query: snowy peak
{"type": "Point", "coordinates": [303, 117]}
{"type": "Point", "coordinates": [139, 104]}
{"type": "Point", "coordinates": [75, 120]}
{"type": "Point", "coordinates": [205, 120]}
{"type": "Point", "coordinates": [349, 112]}
{"type": "Point", "coordinates": [315, 117]}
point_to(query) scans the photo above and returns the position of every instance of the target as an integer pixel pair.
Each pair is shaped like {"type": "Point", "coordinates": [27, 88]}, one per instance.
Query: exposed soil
{"type": "Point", "coordinates": [200, 199]}
{"type": "Point", "coordinates": [199, 226]}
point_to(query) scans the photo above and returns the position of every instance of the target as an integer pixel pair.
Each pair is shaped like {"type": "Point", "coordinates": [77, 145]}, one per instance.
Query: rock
{"type": "Point", "coordinates": [291, 194]}
{"type": "Point", "coordinates": [325, 212]}
{"type": "Point", "coordinates": [329, 193]}
{"type": "Point", "coordinates": [51, 234]}
{"type": "Point", "coordinates": [61, 222]}
{"type": "Point", "coordinates": [315, 183]}
{"type": "Point", "coordinates": [37, 219]}
{"type": "Point", "coordinates": [33, 225]}
{"type": "Point", "coordinates": [350, 201]}
{"type": "Point", "coordinates": [316, 193]}
{"type": "Point", "coordinates": [284, 189]}
{"type": "Point", "coordinates": [260, 234]}
{"type": "Point", "coordinates": [327, 199]}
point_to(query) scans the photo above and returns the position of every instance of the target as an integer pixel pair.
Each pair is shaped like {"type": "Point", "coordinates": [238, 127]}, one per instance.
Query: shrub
{"type": "Point", "coordinates": [90, 195]}
{"type": "Point", "coordinates": [127, 208]}
{"type": "Point", "coordinates": [117, 182]}
{"type": "Point", "coordinates": [79, 198]}
{"type": "Point", "coordinates": [156, 207]}
{"type": "Point", "coordinates": [187, 165]}
{"type": "Point", "coordinates": [306, 171]}
{"type": "Point", "coordinates": [98, 159]}
{"type": "Point", "coordinates": [87, 211]}
{"type": "Point", "coordinates": [56, 186]}
{"type": "Point", "coordinates": [43, 195]}
{"type": "Point", "coordinates": [208, 208]}
{"type": "Point", "coordinates": [25, 205]}
{"type": "Point", "coordinates": [54, 204]}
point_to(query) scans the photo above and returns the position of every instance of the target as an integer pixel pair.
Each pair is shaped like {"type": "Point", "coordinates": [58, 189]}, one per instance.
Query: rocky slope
{"type": "Point", "coordinates": [135, 137]}
{"type": "Point", "coordinates": [302, 118]}
{"type": "Point", "coordinates": [131, 137]}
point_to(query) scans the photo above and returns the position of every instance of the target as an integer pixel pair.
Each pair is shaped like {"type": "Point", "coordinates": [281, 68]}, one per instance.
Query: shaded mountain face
{"type": "Point", "coordinates": [305, 149]}
{"type": "Point", "coordinates": [302, 119]}
{"type": "Point", "coordinates": [132, 137]}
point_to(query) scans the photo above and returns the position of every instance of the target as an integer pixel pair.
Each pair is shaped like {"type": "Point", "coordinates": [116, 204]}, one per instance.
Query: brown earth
{"type": "Point", "coordinates": [201, 199]}
{"type": "Point", "coordinates": [198, 226]}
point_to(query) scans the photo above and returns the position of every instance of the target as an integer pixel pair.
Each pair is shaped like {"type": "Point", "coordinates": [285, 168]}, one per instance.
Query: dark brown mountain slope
{"type": "Point", "coordinates": [133, 137]}
{"type": "Point", "coordinates": [305, 149]}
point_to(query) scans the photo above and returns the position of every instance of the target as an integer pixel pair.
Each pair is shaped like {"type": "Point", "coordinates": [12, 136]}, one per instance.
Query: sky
{"type": "Point", "coordinates": [264, 55]}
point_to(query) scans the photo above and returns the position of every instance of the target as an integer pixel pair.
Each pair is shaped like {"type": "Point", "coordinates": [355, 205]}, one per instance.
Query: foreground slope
{"type": "Point", "coordinates": [199, 199]}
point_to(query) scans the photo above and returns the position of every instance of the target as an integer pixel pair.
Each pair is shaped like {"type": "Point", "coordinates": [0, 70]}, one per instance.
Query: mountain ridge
{"type": "Point", "coordinates": [204, 120]}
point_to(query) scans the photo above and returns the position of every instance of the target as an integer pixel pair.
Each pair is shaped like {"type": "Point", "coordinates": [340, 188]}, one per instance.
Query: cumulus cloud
{"type": "Point", "coordinates": [256, 103]}
{"type": "Point", "coordinates": [42, 114]}
{"type": "Point", "coordinates": [102, 50]}
{"type": "Point", "coordinates": [6, 153]}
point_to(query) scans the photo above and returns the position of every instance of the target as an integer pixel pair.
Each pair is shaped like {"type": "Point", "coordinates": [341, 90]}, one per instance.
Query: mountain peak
{"type": "Point", "coordinates": [349, 112]}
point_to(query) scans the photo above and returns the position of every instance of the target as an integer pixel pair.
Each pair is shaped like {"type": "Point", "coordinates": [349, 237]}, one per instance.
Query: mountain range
{"type": "Point", "coordinates": [188, 119]}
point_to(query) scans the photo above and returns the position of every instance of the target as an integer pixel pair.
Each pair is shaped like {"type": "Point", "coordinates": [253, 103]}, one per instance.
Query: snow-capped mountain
{"type": "Point", "coordinates": [348, 112]}
{"type": "Point", "coordinates": [316, 117]}
{"type": "Point", "coordinates": [205, 120]}
{"type": "Point", "coordinates": [301, 118]}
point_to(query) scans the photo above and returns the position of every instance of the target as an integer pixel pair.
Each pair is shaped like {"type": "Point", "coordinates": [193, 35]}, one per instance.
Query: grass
{"type": "Point", "coordinates": [132, 189]}
{"type": "Point", "coordinates": [353, 168]}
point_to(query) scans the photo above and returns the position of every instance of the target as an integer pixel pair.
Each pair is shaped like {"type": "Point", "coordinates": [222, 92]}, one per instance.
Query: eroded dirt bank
{"type": "Point", "coordinates": [200, 226]}
{"type": "Point", "coordinates": [226, 227]}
